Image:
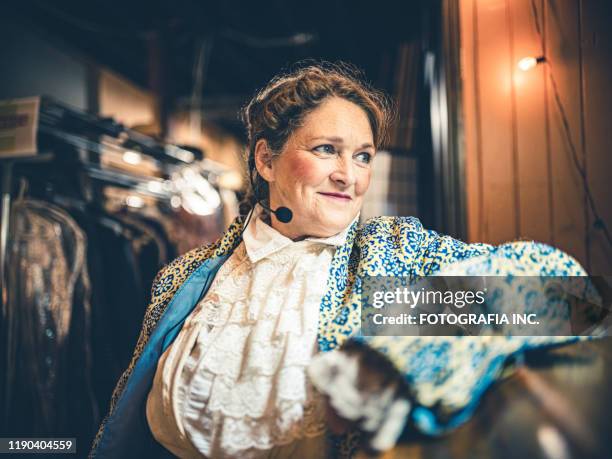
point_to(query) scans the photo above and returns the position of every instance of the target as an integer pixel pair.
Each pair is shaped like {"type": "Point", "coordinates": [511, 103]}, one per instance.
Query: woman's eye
{"type": "Point", "coordinates": [364, 157]}
{"type": "Point", "coordinates": [327, 148]}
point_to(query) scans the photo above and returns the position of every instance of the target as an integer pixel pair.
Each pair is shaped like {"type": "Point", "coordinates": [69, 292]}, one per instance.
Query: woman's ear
{"type": "Point", "coordinates": [263, 160]}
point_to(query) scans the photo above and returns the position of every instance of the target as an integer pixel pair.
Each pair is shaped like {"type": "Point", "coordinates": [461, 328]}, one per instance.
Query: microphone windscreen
{"type": "Point", "coordinates": [283, 214]}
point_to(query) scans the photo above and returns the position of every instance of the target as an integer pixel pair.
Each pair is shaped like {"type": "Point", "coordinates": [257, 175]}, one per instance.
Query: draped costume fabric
{"type": "Point", "coordinates": [48, 324]}
{"type": "Point", "coordinates": [383, 246]}
{"type": "Point", "coordinates": [234, 383]}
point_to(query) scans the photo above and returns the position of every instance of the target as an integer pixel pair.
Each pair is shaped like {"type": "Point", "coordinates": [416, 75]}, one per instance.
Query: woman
{"type": "Point", "coordinates": [221, 365]}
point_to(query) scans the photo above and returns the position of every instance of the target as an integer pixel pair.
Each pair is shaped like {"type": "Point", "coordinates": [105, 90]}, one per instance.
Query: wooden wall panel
{"type": "Point", "coordinates": [563, 48]}
{"type": "Point", "coordinates": [532, 146]}
{"type": "Point", "coordinates": [597, 65]}
{"type": "Point", "coordinates": [471, 129]}
{"type": "Point", "coordinates": [520, 168]}
{"type": "Point", "coordinates": [499, 206]}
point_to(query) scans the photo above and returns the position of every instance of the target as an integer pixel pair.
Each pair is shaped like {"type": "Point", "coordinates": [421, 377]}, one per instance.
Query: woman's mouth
{"type": "Point", "coordinates": [337, 196]}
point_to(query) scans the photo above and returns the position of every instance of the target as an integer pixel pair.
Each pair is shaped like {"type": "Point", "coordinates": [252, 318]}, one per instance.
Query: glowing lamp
{"type": "Point", "coordinates": [530, 62]}
{"type": "Point", "coordinates": [132, 157]}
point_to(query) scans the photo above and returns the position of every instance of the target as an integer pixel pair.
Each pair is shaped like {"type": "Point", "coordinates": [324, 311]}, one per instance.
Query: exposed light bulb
{"type": "Point", "coordinates": [530, 62]}
{"type": "Point", "coordinates": [155, 187]}
{"type": "Point", "coordinates": [132, 157]}
{"type": "Point", "coordinates": [175, 201]}
{"type": "Point", "coordinates": [134, 201]}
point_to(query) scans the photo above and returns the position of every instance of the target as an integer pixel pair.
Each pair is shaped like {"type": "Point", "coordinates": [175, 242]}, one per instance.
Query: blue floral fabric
{"type": "Point", "coordinates": [449, 374]}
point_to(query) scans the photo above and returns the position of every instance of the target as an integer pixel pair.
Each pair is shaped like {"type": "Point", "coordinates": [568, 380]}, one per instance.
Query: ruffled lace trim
{"type": "Point", "coordinates": [236, 375]}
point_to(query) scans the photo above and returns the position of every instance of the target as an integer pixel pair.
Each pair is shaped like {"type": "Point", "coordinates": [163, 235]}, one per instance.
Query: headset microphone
{"type": "Point", "coordinates": [283, 214]}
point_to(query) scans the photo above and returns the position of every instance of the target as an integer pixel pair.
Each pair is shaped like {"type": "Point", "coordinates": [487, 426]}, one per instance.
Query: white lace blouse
{"type": "Point", "coordinates": [234, 382]}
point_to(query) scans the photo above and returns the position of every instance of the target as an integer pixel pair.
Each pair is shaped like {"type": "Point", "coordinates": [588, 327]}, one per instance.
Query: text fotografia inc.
{"type": "Point", "coordinates": [455, 319]}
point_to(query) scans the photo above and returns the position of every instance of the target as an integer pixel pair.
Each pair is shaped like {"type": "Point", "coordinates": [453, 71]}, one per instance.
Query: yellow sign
{"type": "Point", "coordinates": [18, 127]}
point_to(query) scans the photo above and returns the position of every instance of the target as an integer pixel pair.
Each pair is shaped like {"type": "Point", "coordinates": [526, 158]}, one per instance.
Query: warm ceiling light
{"type": "Point", "coordinates": [155, 187]}
{"type": "Point", "coordinates": [132, 157]}
{"type": "Point", "coordinates": [530, 62]}
{"type": "Point", "coordinates": [134, 201]}
{"type": "Point", "coordinates": [175, 201]}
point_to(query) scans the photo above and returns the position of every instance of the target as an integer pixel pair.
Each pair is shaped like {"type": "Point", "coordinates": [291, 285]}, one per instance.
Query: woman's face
{"type": "Point", "coordinates": [323, 172]}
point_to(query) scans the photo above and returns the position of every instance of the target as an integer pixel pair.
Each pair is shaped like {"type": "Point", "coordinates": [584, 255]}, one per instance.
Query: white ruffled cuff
{"type": "Point", "coordinates": [380, 411]}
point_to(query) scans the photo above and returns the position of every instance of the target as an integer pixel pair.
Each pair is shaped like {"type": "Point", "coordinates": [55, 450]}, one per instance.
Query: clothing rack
{"type": "Point", "coordinates": [147, 213]}
{"type": "Point", "coordinates": [60, 125]}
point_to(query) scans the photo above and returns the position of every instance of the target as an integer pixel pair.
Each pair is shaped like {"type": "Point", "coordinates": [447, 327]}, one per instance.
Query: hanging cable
{"type": "Point", "coordinates": [199, 70]}
{"type": "Point", "coordinates": [599, 222]}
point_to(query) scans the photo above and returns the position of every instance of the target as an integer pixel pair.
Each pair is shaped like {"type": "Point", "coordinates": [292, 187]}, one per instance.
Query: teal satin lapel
{"type": "Point", "coordinates": [126, 425]}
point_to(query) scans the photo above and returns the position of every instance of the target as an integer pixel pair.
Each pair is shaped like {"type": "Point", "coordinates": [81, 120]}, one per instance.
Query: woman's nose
{"type": "Point", "coordinates": [344, 174]}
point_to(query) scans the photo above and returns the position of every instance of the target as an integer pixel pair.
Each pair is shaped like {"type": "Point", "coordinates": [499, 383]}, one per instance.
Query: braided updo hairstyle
{"type": "Point", "coordinates": [280, 107]}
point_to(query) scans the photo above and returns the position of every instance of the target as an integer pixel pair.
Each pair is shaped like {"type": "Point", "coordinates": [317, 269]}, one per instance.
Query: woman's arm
{"type": "Point", "coordinates": [445, 375]}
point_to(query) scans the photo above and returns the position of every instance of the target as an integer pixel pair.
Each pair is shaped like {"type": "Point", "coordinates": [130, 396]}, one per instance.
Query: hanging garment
{"type": "Point", "coordinates": [126, 293]}
{"type": "Point", "coordinates": [49, 322]}
{"type": "Point", "coordinates": [123, 253]}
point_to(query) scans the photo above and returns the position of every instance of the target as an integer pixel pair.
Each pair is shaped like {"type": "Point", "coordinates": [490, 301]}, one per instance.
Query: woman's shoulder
{"type": "Point", "coordinates": [394, 242]}
{"type": "Point", "coordinates": [388, 244]}
{"type": "Point", "coordinates": [381, 227]}
{"type": "Point", "coordinates": [171, 276]}
{"type": "Point", "coordinates": [391, 221]}
{"type": "Point", "coordinates": [404, 233]}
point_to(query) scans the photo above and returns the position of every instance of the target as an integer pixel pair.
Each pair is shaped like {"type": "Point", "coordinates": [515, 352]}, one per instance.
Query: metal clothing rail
{"type": "Point", "coordinates": [73, 126]}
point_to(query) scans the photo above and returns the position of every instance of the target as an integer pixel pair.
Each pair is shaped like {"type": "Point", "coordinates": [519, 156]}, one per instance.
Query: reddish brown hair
{"type": "Point", "coordinates": [280, 107]}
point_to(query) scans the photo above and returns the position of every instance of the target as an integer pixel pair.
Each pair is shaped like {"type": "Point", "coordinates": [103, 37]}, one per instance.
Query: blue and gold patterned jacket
{"type": "Point", "coordinates": [447, 372]}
